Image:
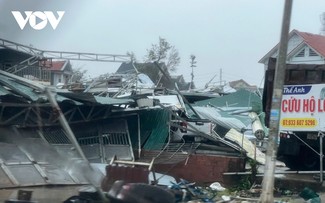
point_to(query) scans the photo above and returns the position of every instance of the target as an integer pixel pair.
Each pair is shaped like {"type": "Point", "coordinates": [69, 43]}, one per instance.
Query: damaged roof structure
{"type": "Point", "coordinates": [154, 74]}
{"type": "Point", "coordinates": [199, 144]}
{"type": "Point", "coordinates": [26, 115]}
{"type": "Point", "coordinates": [97, 122]}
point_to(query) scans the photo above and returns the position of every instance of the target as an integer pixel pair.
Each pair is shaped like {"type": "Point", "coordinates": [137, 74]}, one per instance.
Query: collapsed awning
{"type": "Point", "coordinates": [241, 98]}
{"type": "Point", "coordinates": [87, 98]}
{"type": "Point", "coordinates": [16, 89]}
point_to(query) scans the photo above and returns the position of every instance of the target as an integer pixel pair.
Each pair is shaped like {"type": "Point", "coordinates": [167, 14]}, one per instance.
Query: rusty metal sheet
{"type": "Point", "coordinates": [125, 173]}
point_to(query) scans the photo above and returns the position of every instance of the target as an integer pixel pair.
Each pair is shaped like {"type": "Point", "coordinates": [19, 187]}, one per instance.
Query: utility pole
{"type": "Point", "coordinates": [193, 62]}
{"type": "Point", "coordinates": [220, 77]}
{"type": "Point", "coordinates": [268, 180]}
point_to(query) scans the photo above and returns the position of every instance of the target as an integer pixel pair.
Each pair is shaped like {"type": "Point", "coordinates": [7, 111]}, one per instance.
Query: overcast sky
{"type": "Point", "coordinates": [231, 35]}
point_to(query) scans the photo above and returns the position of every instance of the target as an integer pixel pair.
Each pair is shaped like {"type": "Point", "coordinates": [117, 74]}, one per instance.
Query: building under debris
{"type": "Point", "coordinates": [118, 115]}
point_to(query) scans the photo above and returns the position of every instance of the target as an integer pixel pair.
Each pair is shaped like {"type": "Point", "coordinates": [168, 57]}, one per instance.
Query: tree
{"type": "Point", "coordinates": [192, 62]}
{"type": "Point", "coordinates": [78, 75]}
{"type": "Point", "coordinates": [163, 52]}
{"type": "Point", "coordinates": [132, 56]}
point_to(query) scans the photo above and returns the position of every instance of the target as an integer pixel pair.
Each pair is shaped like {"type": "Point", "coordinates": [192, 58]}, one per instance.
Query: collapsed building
{"type": "Point", "coordinates": [89, 126]}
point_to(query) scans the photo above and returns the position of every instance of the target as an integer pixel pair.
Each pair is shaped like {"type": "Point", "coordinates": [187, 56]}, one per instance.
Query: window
{"type": "Point", "coordinates": [323, 76]}
{"type": "Point", "coordinates": [312, 53]}
{"type": "Point", "coordinates": [295, 76]}
{"type": "Point", "coordinates": [311, 75]}
{"type": "Point", "coordinates": [301, 53]}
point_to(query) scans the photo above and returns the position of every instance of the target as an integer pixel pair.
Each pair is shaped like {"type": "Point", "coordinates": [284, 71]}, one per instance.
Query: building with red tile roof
{"type": "Point", "coordinates": [303, 48]}
{"type": "Point", "coordinates": [61, 71]}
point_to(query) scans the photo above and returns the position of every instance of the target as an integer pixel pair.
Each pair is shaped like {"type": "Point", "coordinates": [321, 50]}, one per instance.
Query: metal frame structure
{"type": "Point", "coordinates": [320, 153]}
{"type": "Point", "coordinates": [28, 115]}
{"type": "Point", "coordinates": [38, 55]}
{"type": "Point", "coordinates": [63, 55]}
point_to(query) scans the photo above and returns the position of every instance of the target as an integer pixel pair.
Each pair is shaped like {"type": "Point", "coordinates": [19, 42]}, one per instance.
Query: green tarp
{"type": "Point", "coordinates": [153, 127]}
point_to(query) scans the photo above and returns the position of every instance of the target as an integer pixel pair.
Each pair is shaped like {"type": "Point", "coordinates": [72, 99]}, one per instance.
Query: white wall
{"type": "Point", "coordinates": [57, 78]}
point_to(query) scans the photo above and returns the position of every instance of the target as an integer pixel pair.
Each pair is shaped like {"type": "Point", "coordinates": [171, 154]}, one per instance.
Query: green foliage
{"type": "Point", "coordinates": [254, 167]}
{"type": "Point", "coordinates": [246, 182]}
{"type": "Point", "coordinates": [163, 52]}
{"type": "Point", "coordinates": [132, 56]}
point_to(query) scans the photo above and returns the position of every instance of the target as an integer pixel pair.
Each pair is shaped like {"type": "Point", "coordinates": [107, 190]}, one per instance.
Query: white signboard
{"type": "Point", "coordinates": [303, 108]}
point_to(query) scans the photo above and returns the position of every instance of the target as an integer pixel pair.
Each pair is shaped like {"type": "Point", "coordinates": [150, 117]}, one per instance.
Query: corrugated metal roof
{"type": "Point", "coordinates": [18, 89]}
{"type": "Point", "coordinates": [87, 98]}
{"type": "Point", "coordinates": [223, 118]}
{"type": "Point", "coordinates": [112, 101]}
{"type": "Point", "coordinates": [241, 98]}
{"type": "Point", "coordinates": [29, 92]}
{"type": "Point", "coordinates": [3, 91]}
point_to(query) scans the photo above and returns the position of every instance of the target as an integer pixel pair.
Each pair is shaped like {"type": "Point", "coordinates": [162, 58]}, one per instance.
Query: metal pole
{"type": "Point", "coordinates": [101, 144]}
{"type": "Point", "coordinates": [74, 142]}
{"type": "Point", "coordinates": [177, 90]}
{"type": "Point", "coordinates": [137, 77]}
{"type": "Point", "coordinates": [268, 179]}
{"type": "Point", "coordinates": [220, 77]}
{"type": "Point", "coordinates": [321, 157]}
{"type": "Point", "coordinates": [64, 123]}
{"type": "Point", "coordinates": [139, 137]}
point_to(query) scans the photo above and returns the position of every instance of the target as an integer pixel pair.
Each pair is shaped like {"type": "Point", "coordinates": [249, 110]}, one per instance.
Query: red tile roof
{"type": "Point", "coordinates": [54, 65]}
{"type": "Point", "coordinates": [317, 42]}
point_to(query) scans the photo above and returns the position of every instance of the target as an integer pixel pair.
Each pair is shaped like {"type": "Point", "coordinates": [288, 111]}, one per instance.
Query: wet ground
{"type": "Point", "coordinates": [52, 194]}
{"type": "Point", "coordinates": [291, 184]}
{"type": "Point", "coordinates": [61, 193]}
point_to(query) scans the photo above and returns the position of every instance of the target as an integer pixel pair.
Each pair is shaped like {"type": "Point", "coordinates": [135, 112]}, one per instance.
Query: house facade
{"type": "Point", "coordinates": [303, 48]}
{"type": "Point", "coordinates": [27, 65]}
{"type": "Point", "coordinates": [61, 72]}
